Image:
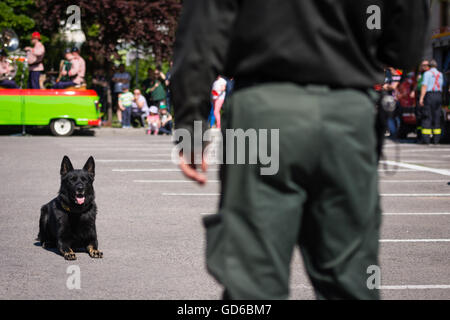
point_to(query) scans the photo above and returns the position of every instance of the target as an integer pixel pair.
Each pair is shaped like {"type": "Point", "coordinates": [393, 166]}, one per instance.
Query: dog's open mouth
{"type": "Point", "coordinates": [79, 199]}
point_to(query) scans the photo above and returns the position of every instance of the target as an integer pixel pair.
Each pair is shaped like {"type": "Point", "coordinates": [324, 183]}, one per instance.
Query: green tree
{"type": "Point", "coordinates": [17, 15]}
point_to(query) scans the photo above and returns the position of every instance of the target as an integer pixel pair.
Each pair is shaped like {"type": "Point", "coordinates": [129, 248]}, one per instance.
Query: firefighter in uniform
{"type": "Point", "coordinates": [305, 67]}
{"type": "Point", "coordinates": [424, 67]}
{"type": "Point", "coordinates": [431, 101]}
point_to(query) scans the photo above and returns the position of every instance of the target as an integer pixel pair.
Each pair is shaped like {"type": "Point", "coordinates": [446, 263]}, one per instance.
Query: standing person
{"type": "Point", "coordinates": [230, 87]}
{"type": "Point", "coordinates": [431, 101]}
{"type": "Point", "coordinates": [125, 104]}
{"type": "Point", "coordinates": [219, 91]}
{"type": "Point", "coordinates": [391, 83]}
{"type": "Point", "coordinates": [424, 67]}
{"type": "Point", "coordinates": [167, 85]}
{"type": "Point", "coordinates": [153, 87]}
{"type": "Point", "coordinates": [100, 85]}
{"type": "Point", "coordinates": [121, 79]}
{"type": "Point", "coordinates": [313, 63]}
{"type": "Point", "coordinates": [35, 57]}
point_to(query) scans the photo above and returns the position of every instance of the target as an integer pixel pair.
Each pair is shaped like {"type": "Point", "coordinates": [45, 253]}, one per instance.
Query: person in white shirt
{"type": "Point", "coordinates": [219, 89]}
{"type": "Point", "coordinates": [139, 108]}
{"type": "Point", "coordinates": [120, 79]}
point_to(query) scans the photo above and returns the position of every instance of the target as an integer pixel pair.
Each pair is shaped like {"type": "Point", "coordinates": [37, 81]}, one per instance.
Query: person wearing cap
{"type": "Point", "coordinates": [154, 121]}
{"type": "Point", "coordinates": [35, 58]}
{"type": "Point", "coordinates": [315, 62]}
{"type": "Point", "coordinates": [65, 66]}
{"type": "Point", "coordinates": [5, 71]}
{"type": "Point", "coordinates": [166, 120]}
{"type": "Point", "coordinates": [76, 73]}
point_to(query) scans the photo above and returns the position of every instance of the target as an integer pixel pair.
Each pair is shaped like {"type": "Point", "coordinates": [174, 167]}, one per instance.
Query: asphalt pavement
{"type": "Point", "coordinates": [150, 221]}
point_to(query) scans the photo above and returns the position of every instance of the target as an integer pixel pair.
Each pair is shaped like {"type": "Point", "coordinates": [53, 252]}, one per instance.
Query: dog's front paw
{"type": "Point", "coordinates": [70, 256]}
{"type": "Point", "coordinates": [95, 254]}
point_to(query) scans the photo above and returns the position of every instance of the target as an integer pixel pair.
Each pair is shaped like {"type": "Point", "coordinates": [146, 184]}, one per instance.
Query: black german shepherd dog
{"type": "Point", "coordinates": [68, 221]}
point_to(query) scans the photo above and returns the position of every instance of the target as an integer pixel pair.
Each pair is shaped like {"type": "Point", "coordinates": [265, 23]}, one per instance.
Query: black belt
{"type": "Point", "coordinates": [246, 83]}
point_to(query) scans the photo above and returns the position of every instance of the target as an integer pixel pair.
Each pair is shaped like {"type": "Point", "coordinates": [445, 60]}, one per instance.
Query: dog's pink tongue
{"type": "Point", "coordinates": [80, 200]}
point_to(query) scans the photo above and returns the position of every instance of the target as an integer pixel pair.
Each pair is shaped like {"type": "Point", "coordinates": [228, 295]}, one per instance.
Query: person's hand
{"type": "Point", "coordinates": [191, 170]}
{"type": "Point", "coordinates": [421, 102]}
{"type": "Point", "coordinates": [27, 48]}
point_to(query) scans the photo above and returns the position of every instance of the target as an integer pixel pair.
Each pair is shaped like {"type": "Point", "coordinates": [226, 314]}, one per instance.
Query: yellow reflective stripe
{"type": "Point", "coordinates": [426, 131]}
{"type": "Point", "coordinates": [437, 131]}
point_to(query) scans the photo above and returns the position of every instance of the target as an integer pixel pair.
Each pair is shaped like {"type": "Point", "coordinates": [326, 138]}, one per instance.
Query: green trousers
{"type": "Point", "coordinates": [323, 199]}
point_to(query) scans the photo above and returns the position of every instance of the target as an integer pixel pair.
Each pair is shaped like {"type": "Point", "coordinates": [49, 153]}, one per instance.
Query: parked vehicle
{"type": "Point", "coordinates": [61, 110]}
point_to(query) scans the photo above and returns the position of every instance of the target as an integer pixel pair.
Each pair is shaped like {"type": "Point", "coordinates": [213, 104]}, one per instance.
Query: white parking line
{"type": "Point", "coordinates": [146, 170]}
{"type": "Point", "coordinates": [416, 195]}
{"type": "Point", "coordinates": [133, 161]}
{"type": "Point", "coordinates": [416, 287]}
{"type": "Point", "coordinates": [423, 161]}
{"type": "Point", "coordinates": [394, 287]}
{"type": "Point", "coordinates": [431, 149]}
{"type": "Point", "coordinates": [417, 167]}
{"type": "Point", "coordinates": [414, 240]}
{"type": "Point", "coordinates": [425, 195]}
{"type": "Point", "coordinates": [192, 194]}
{"type": "Point", "coordinates": [146, 148]}
{"type": "Point", "coordinates": [143, 157]}
{"type": "Point", "coordinates": [171, 181]}
{"type": "Point", "coordinates": [398, 170]}
{"type": "Point", "coordinates": [386, 214]}
{"type": "Point", "coordinates": [414, 181]}
{"type": "Point", "coordinates": [416, 214]}
{"type": "Point", "coordinates": [154, 170]}
{"type": "Point", "coordinates": [123, 145]}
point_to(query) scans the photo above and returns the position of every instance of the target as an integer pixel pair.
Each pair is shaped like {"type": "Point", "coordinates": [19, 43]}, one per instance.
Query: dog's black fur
{"type": "Point", "coordinates": [68, 221]}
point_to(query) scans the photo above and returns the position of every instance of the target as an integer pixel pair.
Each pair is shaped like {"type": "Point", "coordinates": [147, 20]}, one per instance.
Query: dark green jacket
{"type": "Point", "coordinates": [302, 41]}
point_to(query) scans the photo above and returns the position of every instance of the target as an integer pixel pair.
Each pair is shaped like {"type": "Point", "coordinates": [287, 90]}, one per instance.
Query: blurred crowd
{"type": "Point", "coordinates": [419, 96]}
{"type": "Point", "coordinates": [148, 105]}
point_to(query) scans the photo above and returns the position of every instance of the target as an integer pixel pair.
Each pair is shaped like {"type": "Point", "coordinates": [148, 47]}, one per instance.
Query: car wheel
{"type": "Point", "coordinates": [62, 127]}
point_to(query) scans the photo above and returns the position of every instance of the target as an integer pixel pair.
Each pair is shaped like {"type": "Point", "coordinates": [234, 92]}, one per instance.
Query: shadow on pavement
{"type": "Point", "coordinates": [40, 131]}
{"type": "Point", "coordinates": [55, 250]}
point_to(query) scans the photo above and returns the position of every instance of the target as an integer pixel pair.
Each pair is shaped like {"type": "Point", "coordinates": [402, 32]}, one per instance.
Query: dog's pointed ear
{"type": "Point", "coordinates": [90, 166]}
{"type": "Point", "coordinates": [66, 166]}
